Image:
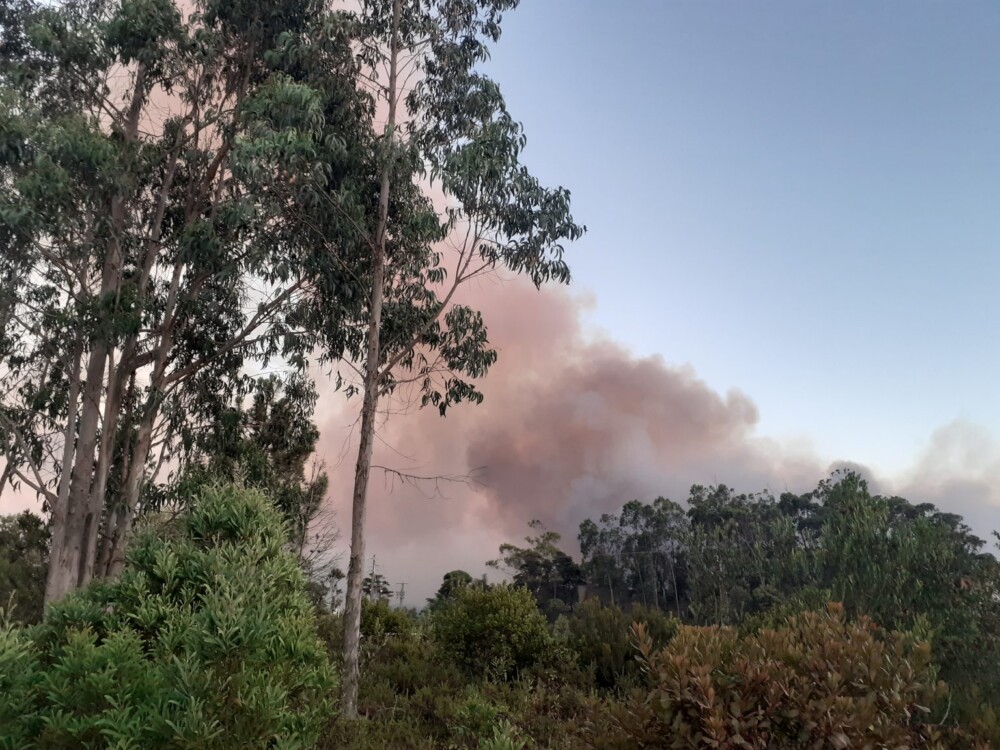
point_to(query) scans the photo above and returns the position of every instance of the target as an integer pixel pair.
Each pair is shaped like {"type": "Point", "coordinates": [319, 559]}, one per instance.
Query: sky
{"type": "Point", "coordinates": [798, 198]}
{"type": "Point", "coordinates": [791, 265]}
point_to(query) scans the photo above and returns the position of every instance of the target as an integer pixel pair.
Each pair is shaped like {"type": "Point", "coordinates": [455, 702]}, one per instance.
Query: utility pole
{"type": "Point", "coordinates": [402, 593]}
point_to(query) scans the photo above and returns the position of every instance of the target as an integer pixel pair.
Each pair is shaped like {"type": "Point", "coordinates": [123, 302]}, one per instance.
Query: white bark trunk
{"type": "Point", "coordinates": [372, 376]}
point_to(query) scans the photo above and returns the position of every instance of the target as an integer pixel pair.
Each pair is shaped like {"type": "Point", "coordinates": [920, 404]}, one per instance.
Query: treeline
{"type": "Point", "coordinates": [209, 637]}
{"type": "Point", "coordinates": [747, 559]}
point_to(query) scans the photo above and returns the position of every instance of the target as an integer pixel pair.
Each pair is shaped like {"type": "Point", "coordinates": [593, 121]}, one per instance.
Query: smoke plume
{"type": "Point", "coordinates": [574, 426]}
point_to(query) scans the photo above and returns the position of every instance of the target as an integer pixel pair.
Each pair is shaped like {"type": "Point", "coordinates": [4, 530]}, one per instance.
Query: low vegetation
{"type": "Point", "coordinates": [209, 639]}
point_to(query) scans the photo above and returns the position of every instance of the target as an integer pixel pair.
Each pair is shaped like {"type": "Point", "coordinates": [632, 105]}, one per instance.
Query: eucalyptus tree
{"type": "Point", "coordinates": [263, 442]}
{"type": "Point", "coordinates": [639, 555]}
{"type": "Point", "coordinates": [161, 164]}
{"type": "Point", "coordinates": [552, 576]}
{"type": "Point", "coordinates": [446, 126]}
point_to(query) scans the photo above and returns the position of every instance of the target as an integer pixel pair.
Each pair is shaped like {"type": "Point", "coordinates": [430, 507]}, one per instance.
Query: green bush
{"type": "Point", "coordinates": [24, 553]}
{"type": "Point", "coordinates": [379, 620]}
{"type": "Point", "coordinates": [600, 638]}
{"type": "Point", "coordinates": [818, 681]}
{"type": "Point", "coordinates": [207, 641]}
{"type": "Point", "coordinates": [495, 631]}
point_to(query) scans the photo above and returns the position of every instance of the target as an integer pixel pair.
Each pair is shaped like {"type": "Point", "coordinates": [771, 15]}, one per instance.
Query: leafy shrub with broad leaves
{"type": "Point", "coordinates": [494, 630]}
{"type": "Point", "coordinates": [207, 640]}
{"type": "Point", "coordinates": [818, 681]}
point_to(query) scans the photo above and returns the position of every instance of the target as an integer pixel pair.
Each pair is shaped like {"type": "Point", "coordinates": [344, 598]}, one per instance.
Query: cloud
{"type": "Point", "coordinates": [959, 471]}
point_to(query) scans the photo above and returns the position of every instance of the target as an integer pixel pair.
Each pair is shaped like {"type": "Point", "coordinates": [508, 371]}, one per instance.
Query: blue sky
{"type": "Point", "coordinates": [799, 199]}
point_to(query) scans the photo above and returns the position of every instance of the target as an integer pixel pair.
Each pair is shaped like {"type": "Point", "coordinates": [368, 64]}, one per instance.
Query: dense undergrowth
{"type": "Point", "coordinates": [209, 640]}
{"type": "Point", "coordinates": [816, 680]}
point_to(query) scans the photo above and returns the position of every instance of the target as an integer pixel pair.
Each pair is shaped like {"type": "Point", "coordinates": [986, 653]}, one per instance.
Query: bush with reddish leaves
{"type": "Point", "coordinates": [819, 681]}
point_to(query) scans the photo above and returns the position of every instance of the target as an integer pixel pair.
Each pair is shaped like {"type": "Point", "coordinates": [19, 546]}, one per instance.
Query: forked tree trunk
{"type": "Point", "coordinates": [106, 449]}
{"type": "Point", "coordinates": [133, 485]}
{"type": "Point", "coordinates": [74, 525]}
{"type": "Point", "coordinates": [69, 522]}
{"type": "Point", "coordinates": [372, 376]}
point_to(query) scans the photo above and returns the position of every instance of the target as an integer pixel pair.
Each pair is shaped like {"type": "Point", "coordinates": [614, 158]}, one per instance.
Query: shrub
{"type": "Point", "coordinates": [207, 640]}
{"type": "Point", "coordinates": [495, 631]}
{"type": "Point", "coordinates": [600, 638]}
{"type": "Point", "coordinates": [819, 681]}
{"type": "Point", "coordinates": [24, 552]}
{"type": "Point", "coordinates": [378, 620]}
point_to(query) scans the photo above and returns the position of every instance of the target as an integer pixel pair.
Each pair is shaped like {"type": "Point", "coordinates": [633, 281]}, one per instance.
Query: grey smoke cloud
{"type": "Point", "coordinates": [573, 427]}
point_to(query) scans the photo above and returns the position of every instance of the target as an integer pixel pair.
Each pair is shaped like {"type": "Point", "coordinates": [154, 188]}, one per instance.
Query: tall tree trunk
{"type": "Point", "coordinates": [144, 437]}
{"type": "Point", "coordinates": [69, 434]}
{"type": "Point", "coordinates": [54, 582]}
{"type": "Point", "coordinates": [130, 495]}
{"type": "Point", "coordinates": [656, 580]}
{"type": "Point", "coordinates": [372, 376]}
{"type": "Point", "coordinates": [72, 557]}
{"type": "Point", "coordinates": [105, 456]}
{"type": "Point", "coordinates": [677, 594]}
{"type": "Point", "coordinates": [69, 523]}
{"type": "Point", "coordinates": [102, 564]}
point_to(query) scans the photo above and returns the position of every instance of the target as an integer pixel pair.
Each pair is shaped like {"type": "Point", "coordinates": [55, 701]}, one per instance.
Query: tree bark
{"type": "Point", "coordinates": [72, 557]}
{"type": "Point", "coordinates": [59, 506]}
{"type": "Point", "coordinates": [130, 497]}
{"type": "Point", "coordinates": [69, 523]}
{"type": "Point", "coordinates": [372, 377]}
{"type": "Point", "coordinates": [106, 450]}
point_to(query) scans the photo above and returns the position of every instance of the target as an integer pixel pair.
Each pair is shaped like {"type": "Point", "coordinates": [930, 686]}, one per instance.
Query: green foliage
{"type": "Point", "coordinates": [600, 638]}
{"type": "Point", "coordinates": [638, 555]}
{"type": "Point", "coordinates": [376, 587]}
{"type": "Point", "coordinates": [903, 568]}
{"type": "Point", "coordinates": [819, 681]}
{"type": "Point", "coordinates": [495, 630]}
{"type": "Point", "coordinates": [743, 565]}
{"type": "Point", "coordinates": [545, 570]}
{"type": "Point", "coordinates": [415, 696]}
{"type": "Point", "coordinates": [451, 582]}
{"type": "Point", "coordinates": [505, 737]}
{"type": "Point", "coordinates": [162, 168]}
{"type": "Point", "coordinates": [750, 561]}
{"type": "Point", "coordinates": [379, 619]}
{"type": "Point", "coordinates": [24, 551]}
{"type": "Point", "coordinates": [207, 640]}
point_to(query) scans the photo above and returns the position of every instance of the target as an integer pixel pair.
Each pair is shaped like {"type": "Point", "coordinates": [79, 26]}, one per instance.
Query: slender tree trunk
{"type": "Point", "coordinates": [69, 434]}
{"type": "Point", "coordinates": [106, 545]}
{"type": "Point", "coordinates": [69, 526]}
{"type": "Point", "coordinates": [59, 507]}
{"type": "Point", "coordinates": [144, 438]}
{"type": "Point", "coordinates": [355, 573]}
{"type": "Point", "coordinates": [642, 582]}
{"type": "Point", "coordinates": [677, 594]}
{"type": "Point", "coordinates": [105, 456]}
{"type": "Point", "coordinates": [656, 580]}
{"type": "Point", "coordinates": [130, 495]}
